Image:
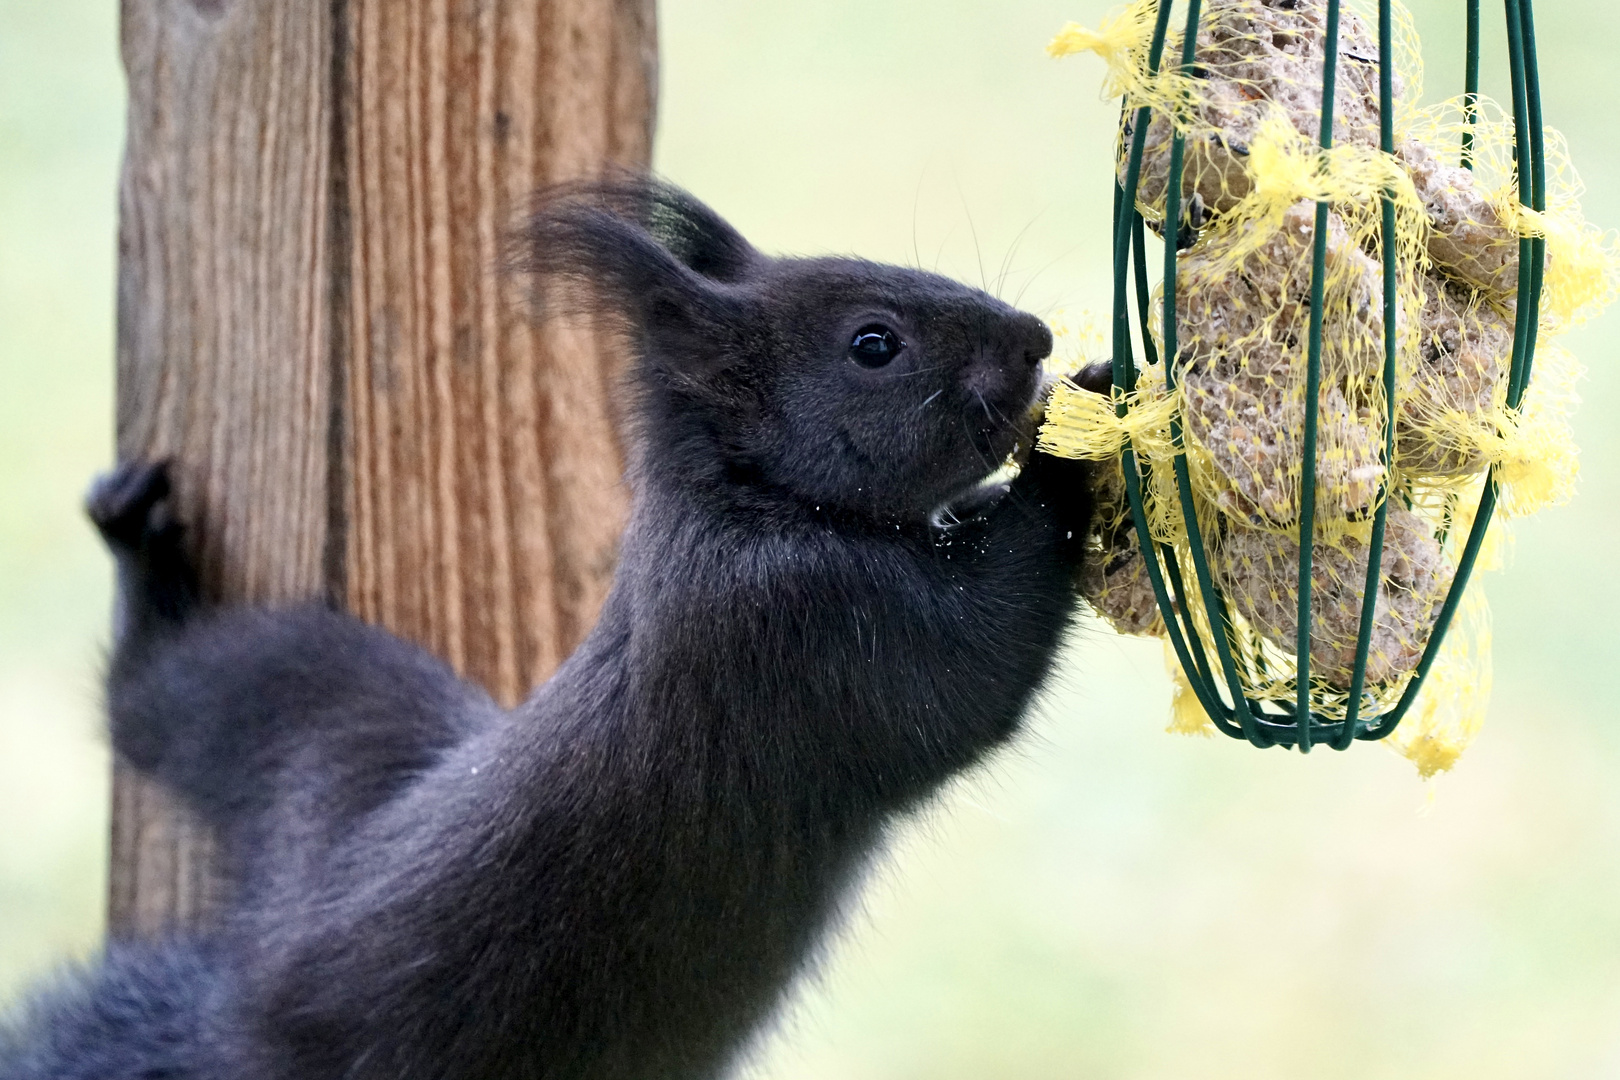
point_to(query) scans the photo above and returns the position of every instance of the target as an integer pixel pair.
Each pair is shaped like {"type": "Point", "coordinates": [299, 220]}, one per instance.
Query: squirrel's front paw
{"type": "Point", "coordinates": [130, 505]}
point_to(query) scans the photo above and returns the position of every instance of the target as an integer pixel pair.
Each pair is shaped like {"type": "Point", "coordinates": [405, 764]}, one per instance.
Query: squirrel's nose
{"type": "Point", "coordinates": [1037, 339]}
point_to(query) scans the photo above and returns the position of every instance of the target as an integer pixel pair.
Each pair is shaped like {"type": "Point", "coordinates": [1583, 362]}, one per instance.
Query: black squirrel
{"type": "Point", "coordinates": [620, 878]}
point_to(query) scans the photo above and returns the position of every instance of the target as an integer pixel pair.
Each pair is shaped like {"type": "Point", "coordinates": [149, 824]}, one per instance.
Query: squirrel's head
{"type": "Point", "coordinates": [839, 383]}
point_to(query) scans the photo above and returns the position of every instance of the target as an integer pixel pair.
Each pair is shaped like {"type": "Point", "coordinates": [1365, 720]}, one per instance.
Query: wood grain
{"type": "Point", "coordinates": [312, 325]}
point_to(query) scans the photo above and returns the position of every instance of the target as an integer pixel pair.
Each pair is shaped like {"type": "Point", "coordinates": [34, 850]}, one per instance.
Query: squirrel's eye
{"type": "Point", "coordinates": [875, 345]}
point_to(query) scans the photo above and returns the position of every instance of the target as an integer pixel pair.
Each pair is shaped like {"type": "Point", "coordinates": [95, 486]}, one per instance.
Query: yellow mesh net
{"type": "Point", "coordinates": [1248, 111]}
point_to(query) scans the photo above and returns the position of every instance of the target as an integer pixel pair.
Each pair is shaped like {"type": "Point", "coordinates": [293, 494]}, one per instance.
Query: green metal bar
{"type": "Point", "coordinates": [1527, 312]}
{"type": "Point", "coordinates": [1143, 310]}
{"type": "Point", "coordinates": [1172, 571]}
{"type": "Point", "coordinates": [1470, 85]}
{"type": "Point", "coordinates": [1117, 332]}
{"type": "Point", "coordinates": [1143, 295]}
{"type": "Point", "coordinates": [1219, 630]}
{"type": "Point", "coordinates": [1527, 145]}
{"type": "Point", "coordinates": [1448, 519]}
{"type": "Point", "coordinates": [1261, 671]}
{"type": "Point", "coordinates": [1313, 388]}
{"type": "Point", "coordinates": [1133, 491]}
{"type": "Point", "coordinates": [1283, 728]}
{"type": "Point", "coordinates": [1214, 604]}
{"type": "Point", "coordinates": [1125, 208]}
{"type": "Point", "coordinates": [1538, 192]}
{"type": "Point", "coordinates": [1167, 610]}
{"type": "Point", "coordinates": [1375, 544]}
{"type": "Point", "coordinates": [1442, 622]}
{"type": "Point", "coordinates": [1125, 379]}
{"type": "Point", "coordinates": [1122, 361]}
{"type": "Point", "coordinates": [1523, 318]}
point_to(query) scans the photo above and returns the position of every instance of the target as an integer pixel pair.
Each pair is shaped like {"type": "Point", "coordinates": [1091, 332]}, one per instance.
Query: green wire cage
{"type": "Point", "coordinates": [1208, 659]}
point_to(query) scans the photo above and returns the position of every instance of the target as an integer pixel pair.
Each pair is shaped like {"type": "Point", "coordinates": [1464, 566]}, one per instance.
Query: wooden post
{"type": "Point", "coordinates": [311, 324]}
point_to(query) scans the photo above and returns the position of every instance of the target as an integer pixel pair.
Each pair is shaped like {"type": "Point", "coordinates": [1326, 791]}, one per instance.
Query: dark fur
{"type": "Point", "coordinates": [620, 878]}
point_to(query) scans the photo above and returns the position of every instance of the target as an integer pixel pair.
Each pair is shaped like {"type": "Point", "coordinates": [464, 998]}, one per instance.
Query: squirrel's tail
{"type": "Point", "coordinates": [146, 1010]}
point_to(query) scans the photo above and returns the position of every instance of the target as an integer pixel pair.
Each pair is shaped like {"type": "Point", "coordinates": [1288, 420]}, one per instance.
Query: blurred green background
{"type": "Point", "coordinates": [1104, 901]}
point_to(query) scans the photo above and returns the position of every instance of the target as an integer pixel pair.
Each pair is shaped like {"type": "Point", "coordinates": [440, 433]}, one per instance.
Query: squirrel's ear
{"type": "Point", "coordinates": [700, 238]}
{"type": "Point", "coordinates": [645, 252]}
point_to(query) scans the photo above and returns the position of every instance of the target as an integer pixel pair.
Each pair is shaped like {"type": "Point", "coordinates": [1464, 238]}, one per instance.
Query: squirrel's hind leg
{"type": "Point", "coordinates": [157, 582]}
{"type": "Point", "coordinates": [286, 726]}
{"type": "Point", "coordinates": [282, 726]}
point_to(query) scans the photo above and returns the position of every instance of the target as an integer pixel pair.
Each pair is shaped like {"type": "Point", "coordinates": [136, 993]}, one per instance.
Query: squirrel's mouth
{"type": "Point", "coordinates": [1006, 422]}
{"type": "Point", "coordinates": [973, 500]}
{"type": "Point", "coordinates": [1009, 444]}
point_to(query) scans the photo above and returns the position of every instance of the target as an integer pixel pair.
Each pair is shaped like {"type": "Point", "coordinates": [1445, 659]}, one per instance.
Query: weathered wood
{"type": "Point", "coordinates": [312, 325]}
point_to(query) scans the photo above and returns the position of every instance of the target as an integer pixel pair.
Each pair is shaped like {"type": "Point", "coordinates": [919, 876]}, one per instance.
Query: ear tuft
{"type": "Point", "coordinates": [693, 233]}
{"type": "Point", "coordinates": [574, 228]}
{"type": "Point", "coordinates": [639, 249]}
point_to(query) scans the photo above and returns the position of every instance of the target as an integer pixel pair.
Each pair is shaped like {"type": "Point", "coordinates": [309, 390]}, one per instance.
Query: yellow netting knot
{"type": "Point", "coordinates": [1534, 451]}
{"type": "Point", "coordinates": [1082, 424]}
{"type": "Point", "coordinates": [1121, 42]}
{"type": "Point", "coordinates": [1285, 168]}
{"type": "Point", "coordinates": [1432, 754]}
{"type": "Point", "coordinates": [1583, 267]}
